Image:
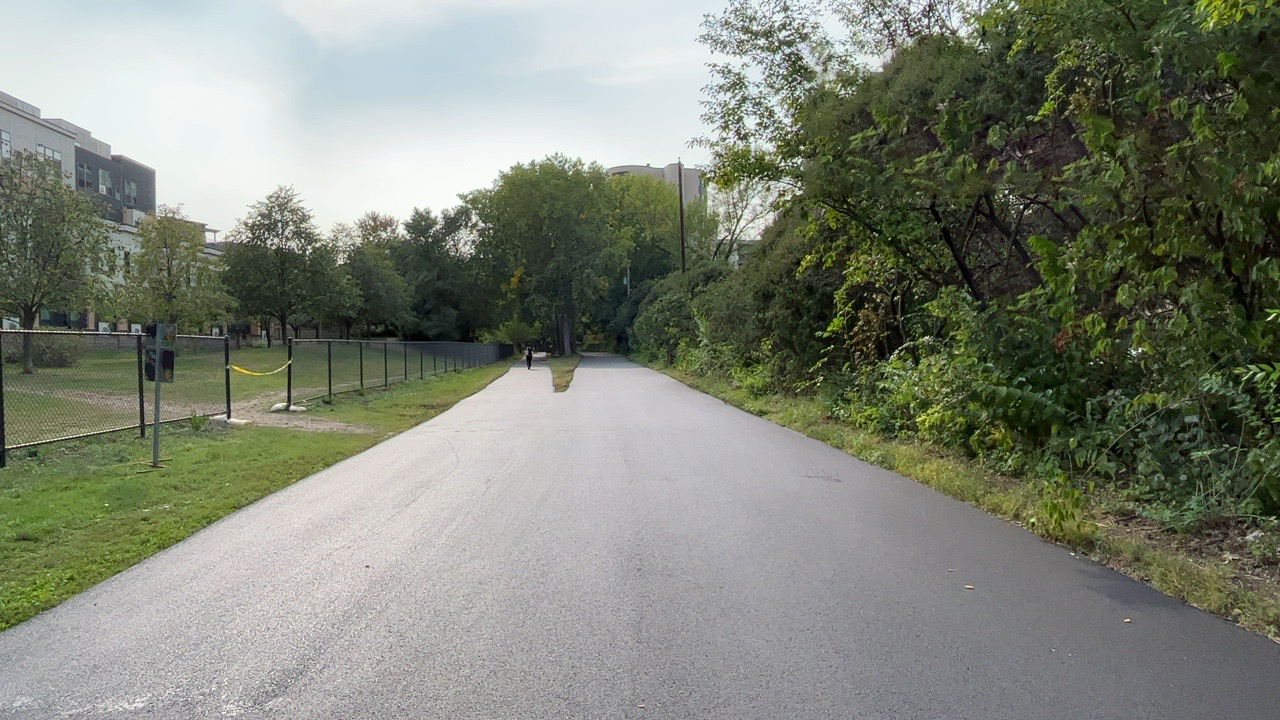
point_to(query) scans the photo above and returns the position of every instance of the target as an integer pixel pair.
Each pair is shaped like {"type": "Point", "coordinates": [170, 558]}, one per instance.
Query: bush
{"type": "Point", "coordinates": [58, 350]}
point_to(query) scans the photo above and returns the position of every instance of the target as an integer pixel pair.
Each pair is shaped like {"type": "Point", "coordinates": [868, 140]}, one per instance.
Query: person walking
{"type": "Point", "coordinates": [528, 357]}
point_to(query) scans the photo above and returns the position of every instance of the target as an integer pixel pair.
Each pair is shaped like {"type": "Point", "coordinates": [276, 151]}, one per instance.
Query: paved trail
{"type": "Point", "coordinates": [628, 549]}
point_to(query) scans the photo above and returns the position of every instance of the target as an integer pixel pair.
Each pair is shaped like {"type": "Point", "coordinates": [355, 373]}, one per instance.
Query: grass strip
{"type": "Point", "coordinates": [73, 515]}
{"type": "Point", "coordinates": [1211, 588]}
{"type": "Point", "coordinates": [562, 370]}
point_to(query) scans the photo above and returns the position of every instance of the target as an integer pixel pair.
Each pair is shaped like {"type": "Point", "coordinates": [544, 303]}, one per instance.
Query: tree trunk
{"type": "Point", "coordinates": [28, 321]}
{"type": "Point", "coordinates": [284, 328]}
{"type": "Point", "coordinates": [267, 325]}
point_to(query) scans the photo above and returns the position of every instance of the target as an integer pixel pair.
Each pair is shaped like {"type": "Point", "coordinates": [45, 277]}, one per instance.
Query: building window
{"type": "Point", "coordinates": [85, 176]}
{"type": "Point", "coordinates": [130, 193]}
{"type": "Point", "coordinates": [6, 148]}
{"type": "Point", "coordinates": [104, 183]}
{"type": "Point", "coordinates": [49, 153]}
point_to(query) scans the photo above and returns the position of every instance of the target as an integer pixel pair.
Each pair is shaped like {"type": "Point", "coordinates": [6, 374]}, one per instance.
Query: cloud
{"type": "Point", "coordinates": [389, 106]}
{"type": "Point", "coordinates": [203, 106]}
{"type": "Point", "coordinates": [357, 23]}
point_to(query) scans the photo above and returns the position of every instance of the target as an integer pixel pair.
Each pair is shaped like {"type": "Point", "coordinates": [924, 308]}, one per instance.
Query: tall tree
{"type": "Point", "coordinates": [171, 278]}
{"type": "Point", "coordinates": [544, 227]}
{"type": "Point", "coordinates": [277, 257]}
{"type": "Point", "coordinates": [53, 246]}
{"type": "Point", "coordinates": [384, 296]}
{"type": "Point", "coordinates": [446, 302]}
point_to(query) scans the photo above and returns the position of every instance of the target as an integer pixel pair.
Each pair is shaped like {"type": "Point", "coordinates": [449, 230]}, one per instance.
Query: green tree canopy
{"type": "Point", "coordinates": [277, 261]}
{"type": "Point", "coordinates": [545, 237]}
{"type": "Point", "coordinates": [54, 248]}
{"type": "Point", "coordinates": [170, 278]}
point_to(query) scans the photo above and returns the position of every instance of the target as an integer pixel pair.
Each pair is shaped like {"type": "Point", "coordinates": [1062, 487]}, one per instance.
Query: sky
{"type": "Point", "coordinates": [361, 105]}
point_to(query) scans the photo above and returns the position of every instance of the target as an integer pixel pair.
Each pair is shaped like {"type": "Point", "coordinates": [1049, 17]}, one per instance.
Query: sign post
{"type": "Point", "coordinates": [159, 367]}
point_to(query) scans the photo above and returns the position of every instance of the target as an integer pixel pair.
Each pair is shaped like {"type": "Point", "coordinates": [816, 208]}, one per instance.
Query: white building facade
{"type": "Point", "coordinates": [693, 185]}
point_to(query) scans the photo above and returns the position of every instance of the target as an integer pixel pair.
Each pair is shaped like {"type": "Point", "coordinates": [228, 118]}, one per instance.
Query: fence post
{"type": "Point", "coordinates": [226, 370]}
{"type": "Point", "coordinates": [422, 366]}
{"type": "Point", "coordinates": [360, 345]}
{"type": "Point", "coordinates": [288, 392]}
{"type": "Point", "coordinates": [385, 380]}
{"type": "Point", "coordinates": [434, 369]}
{"type": "Point", "coordinates": [142, 393]}
{"type": "Point", "coordinates": [405, 348]}
{"type": "Point", "coordinates": [3, 452]}
{"type": "Point", "coordinates": [328, 350]}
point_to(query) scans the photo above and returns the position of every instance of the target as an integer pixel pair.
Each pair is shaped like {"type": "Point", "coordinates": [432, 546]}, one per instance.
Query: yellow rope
{"type": "Point", "coordinates": [239, 369]}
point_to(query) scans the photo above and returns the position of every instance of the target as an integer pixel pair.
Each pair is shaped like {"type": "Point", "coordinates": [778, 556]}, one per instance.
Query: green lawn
{"type": "Point", "coordinates": [77, 513]}
{"type": "Point", "coordinates": [101, 391]}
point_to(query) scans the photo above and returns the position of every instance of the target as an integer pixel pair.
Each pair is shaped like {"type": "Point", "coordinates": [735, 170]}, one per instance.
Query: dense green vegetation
{"type": "Point", "coordinates": [1043, 235]}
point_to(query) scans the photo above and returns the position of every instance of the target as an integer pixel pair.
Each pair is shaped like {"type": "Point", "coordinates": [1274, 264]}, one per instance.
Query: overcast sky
{"type": "Point", "coordinates": [361, 105]}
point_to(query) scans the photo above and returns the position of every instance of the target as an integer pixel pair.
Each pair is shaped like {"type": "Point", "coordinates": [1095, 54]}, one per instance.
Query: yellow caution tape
{"type": "Point", "coordinates": [239, 369]}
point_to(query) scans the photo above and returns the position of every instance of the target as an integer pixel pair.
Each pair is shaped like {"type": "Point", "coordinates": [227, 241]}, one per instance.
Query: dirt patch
{"type": "Point", "coordinates": [257, 411]}
{"type": "Point", "coordinates": [1252, 555]}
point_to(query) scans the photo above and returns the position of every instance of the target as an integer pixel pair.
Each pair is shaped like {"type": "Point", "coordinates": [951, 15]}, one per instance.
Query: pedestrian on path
{"type": "Point", "coordinates": [528, 357]}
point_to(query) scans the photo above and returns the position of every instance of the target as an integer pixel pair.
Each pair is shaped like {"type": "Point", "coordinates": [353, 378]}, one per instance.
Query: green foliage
{"type": "Point", "coordinates": [54, 249]}
{"type": "Point", "coordinates": [384, 294]}
{"type": "Point", "coordinates": [1040, 233]}
{"type": "Point", "coordinates": [516, 333]}
{"type": "Point", "coordinates": [49, 351]}
{"type": "Point", "coordinates": [277, 261]}
{"type": "Point", "coordinates": [544, 237]}
{"type": "Point", "coordinates": [171, 279]}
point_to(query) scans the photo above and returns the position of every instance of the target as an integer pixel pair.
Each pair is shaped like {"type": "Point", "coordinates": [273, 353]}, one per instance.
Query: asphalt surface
{"type": "Point", "coordinates": [628, 549]}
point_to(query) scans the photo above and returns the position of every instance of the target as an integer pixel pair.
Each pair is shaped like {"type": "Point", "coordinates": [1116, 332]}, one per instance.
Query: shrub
{"type": "Point", "coordinates": [48, 350]}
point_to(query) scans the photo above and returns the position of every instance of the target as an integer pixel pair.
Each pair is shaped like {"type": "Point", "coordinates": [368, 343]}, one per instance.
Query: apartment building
{"type": "Point", "coordinates": [123, 188]}
{"type": "Point", "coordinates": [693, 185]}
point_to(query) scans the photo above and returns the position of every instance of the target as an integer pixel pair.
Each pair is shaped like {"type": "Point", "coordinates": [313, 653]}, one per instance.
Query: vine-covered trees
{"type": "Point", "coordinates": [1052, 226]}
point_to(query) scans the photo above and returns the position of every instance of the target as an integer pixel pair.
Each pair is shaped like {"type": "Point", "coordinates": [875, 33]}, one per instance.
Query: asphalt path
{"type": "Point", "coordinates": [628, 549]}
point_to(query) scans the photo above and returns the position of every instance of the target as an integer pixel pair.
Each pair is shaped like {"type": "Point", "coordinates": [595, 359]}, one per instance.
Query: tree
{"type": "Point", "coordinates": [742, 211]}
{"type": "Point", "coordinates": [275, 263]}
{"type": "Point", "coordinates": [53, 246]}
{"type": "Point", "coordinates": [384, 296]}
{"type": "Point", "coordinates": [171, 279]}
{"type": "Point", "coordinates": [341, 303]}
{"type": "Point", "coordinates": [544, 232]}
{"type": "Point", "coordinates": [447, 301]}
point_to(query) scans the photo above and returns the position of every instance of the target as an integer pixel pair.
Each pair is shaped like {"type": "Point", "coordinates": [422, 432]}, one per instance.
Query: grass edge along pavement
{"type": "Point", "coordinates": [562, 370]}
{"type": "Point", "coordinates": [76, 514]}
{"type": "Point", "coordinates": [1058, 515]}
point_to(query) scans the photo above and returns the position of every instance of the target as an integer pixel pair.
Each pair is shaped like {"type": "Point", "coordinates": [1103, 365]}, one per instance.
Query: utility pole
{"type": "Point", "coordinates": [680, 185]}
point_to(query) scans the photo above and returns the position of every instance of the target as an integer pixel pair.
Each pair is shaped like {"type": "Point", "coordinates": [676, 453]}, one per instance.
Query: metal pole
{"type": "Point", "coordinates": [142, 393]}
{"type": "Point", "coordinates": [385, 381]}
{"type": "Point", "coordinates": [360, 345]}
{"type": "Point", "coordinates": [226, 369]}
{"type": "Point", "coordinates": [680, 183]}
{"type": "Point", "coordinates": [2, 440]}
{"type": "Point", "coordinates": [405, 348]}
{"type": "Point", "coordinates": [328, 348]}
{"type": "Point", "coordinates": [155, 425]}
{"type": "Point", "coordinates": [288, 396]}
{"type": "Point", "coordinates": [422, 364]}
{"type": "Point", "coordinates": [434, 369]}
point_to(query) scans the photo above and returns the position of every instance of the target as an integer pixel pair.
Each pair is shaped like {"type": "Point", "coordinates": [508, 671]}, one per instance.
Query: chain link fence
{"type": "Point", "coordinates": [60, 385]}
{"type": "Point", "coordinates": [64, 385]}
{"type": "Point", "coordinates": [324, 368]}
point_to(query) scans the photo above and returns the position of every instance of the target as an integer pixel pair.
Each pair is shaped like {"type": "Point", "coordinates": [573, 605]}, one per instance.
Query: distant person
{"type": "Point", "coordinates": [528, 358]}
